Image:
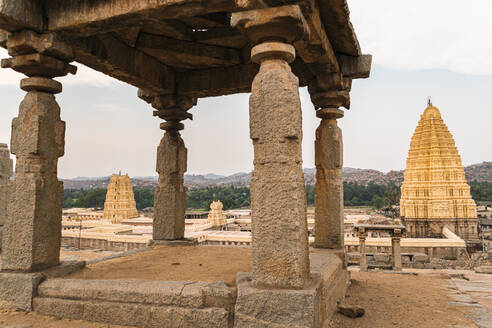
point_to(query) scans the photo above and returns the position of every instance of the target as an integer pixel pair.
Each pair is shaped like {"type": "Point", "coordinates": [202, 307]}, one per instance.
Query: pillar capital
{"type": "Point", "coordinates": [285, 23]}
{"type": "Point", "coordinates": [170, 107]}
{"type": "Point", "coordinates": [332, 91]}
{"type": "Point", "coordinates": [38, 55]}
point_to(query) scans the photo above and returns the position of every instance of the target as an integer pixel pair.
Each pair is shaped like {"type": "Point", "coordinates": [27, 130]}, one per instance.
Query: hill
{"type": "Point", "coordinates": [477, 172]}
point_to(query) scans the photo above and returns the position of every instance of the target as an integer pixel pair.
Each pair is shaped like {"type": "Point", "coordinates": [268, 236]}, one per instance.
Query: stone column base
{"type": "Point", "coordinates": [310, 307]}
{"type": "Point", "coordinates": [18, 289]}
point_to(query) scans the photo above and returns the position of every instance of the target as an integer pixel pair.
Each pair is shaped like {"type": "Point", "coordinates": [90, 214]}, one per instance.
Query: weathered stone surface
{"type": "Point", "coordinates": [33, 230]}
{"type": "Point", "coordinates": [21, 13]}
{"type": "Point", "coordinates": [18, 289]}
{"type": "Point", "coordinates": [355, 67]}
{"type": "Point", "coordinates": [132, 314]}
{"type": "Point", "coordinates": [396, 253]}
{"type": "Point", "coordinates": [278, 23]}
{"type": "Point", "coordinates": [312, 306]}
{"type": "Point", "coordinates": [5, 174]}
{"type": "Point", "coordinates": [175, 293]}
{"type": "Point", "coordinates": [328, 215]}
{"type": "Point", "coordinates": [278, 202]}
{"type": "Point", "coordinates": [138, 302]}
{"type": "Point", "coordinates": [170, 195]}
{"type": "Point", "coordinates": [88, 18]}
{"type": "Point", "coordinates": [187, 54]}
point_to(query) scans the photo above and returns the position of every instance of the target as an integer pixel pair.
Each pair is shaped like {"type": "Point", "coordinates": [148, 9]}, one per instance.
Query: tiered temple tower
{"type": "Point", "coordinates": [435, 193]}
{"type": "Point", "coordinates": [120, 202]}
{"type": "Point", "coordinates": [216, 216]}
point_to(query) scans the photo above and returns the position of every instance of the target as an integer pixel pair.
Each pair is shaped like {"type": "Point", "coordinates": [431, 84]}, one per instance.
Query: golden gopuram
{"type": "Point", "coordinates": [120, 201]}
{"type": "Point", "coordinates": [435, 193]}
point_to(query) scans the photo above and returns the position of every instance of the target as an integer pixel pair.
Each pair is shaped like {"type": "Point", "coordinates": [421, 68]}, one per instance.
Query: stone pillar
{"type": "Point", "coordinates": [362, 250]}
{"type": "Point", "coordinates": [328, 214]}
{"type": "Point", "coordinates": [32, 231]}
{"type": "Point", "coordinates": [5, 174]}
{"type": "Point", "coordinates": [396, 250]}
{"type": "Point", "coordinates": [170, 194]}
{"type": "Point", "coordinates": [278, 201]}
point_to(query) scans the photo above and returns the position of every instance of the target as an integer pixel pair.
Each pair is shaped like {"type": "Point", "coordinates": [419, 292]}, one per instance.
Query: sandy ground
{"type": "Point", "coordinates": [83, 255]}
{"type": "Point", "coordinates": [401, 300]}
{"type": "Point", "coordinates": [178, 263]}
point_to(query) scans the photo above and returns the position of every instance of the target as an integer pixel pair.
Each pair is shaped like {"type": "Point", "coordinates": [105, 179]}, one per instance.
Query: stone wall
{"type": "Point", "coordinates": [104, 244]}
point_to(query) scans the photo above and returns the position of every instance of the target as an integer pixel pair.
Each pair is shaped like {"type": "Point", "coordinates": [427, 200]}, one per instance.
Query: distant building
{"type": "Point", "coordinates": [435, 193]}
{"type": "Point", "coordinates": [216, 216]}
{"type": "Point", "coordinates": [120, 201]}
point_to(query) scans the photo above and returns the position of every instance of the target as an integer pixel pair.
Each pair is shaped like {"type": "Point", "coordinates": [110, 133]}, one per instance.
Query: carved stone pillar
{"type": "Point", "coordinates": [170, 194]}
{"type": "Point", "coordinates": [278, 201]}
{"type": "Point", "coordinates": [32, 231]}
{"type": "Point", "coordinates": [5, 174]}
{"type": "Point", "coordinates": [328, 217]}
{"type": "Point", "coordinates": [362, 250]}
{"type": "Point", "coordinates": [396, 250]}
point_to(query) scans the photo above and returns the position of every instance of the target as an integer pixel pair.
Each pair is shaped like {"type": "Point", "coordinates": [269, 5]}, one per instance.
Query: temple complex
{"type": "Point", "coordinates": [175, 52]}
{"type": "Point", "coordinates": [435, 194]}
{"type": "Point", "coordinates": [5, 174]}
{"type": "Point", "coordinates": [120, 201]}
{"type": "Point", "coordinates": [216, 216]}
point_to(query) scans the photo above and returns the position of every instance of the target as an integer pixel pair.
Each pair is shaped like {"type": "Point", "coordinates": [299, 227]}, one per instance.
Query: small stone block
{"type": "Point", "coordinates": [277, 50]}
{"type": "Point", "coordinates": [41, 84]}
{"type": "Point", "coordinates": [18, 289]}
{"type": "Point", "coordinates": [280, 307]}
{"type": "Point", "coordinates": [327, 113]}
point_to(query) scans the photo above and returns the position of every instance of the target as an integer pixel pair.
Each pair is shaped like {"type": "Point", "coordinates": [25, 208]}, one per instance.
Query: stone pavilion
{"type": "Point", "coordinates": [435, 194]}
{"type": "Point", "coordinates": [175, 52]}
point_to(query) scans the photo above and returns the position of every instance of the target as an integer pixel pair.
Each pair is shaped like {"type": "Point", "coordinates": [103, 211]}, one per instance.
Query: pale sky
{"type": "Point", "coordinates": [420, 48]}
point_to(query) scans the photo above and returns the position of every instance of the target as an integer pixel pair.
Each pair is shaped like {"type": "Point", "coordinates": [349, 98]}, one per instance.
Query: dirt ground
{"type": "Point", "coordinates": [32, 320]}
{"type": "Point", "coordinates": [401, 300]}
{"type": "Point", "coordinates": [178, 263]}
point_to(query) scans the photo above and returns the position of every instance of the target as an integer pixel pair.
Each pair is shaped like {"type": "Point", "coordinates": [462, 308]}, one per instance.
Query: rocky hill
{"type": "Point", "coordinates": [476, 172]}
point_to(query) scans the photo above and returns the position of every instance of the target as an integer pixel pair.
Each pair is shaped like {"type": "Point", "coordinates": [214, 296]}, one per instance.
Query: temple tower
{"type": "Point", "coordinates": [120, 202]}
{"type": "Point", "coordinates": [435, 193]}
{"type": "Point", "coordinates": [216, 215]}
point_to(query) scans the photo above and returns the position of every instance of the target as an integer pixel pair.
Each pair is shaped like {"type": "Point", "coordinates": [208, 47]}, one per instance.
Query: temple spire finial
{"type": "Point", "coordinates": [429, 101]}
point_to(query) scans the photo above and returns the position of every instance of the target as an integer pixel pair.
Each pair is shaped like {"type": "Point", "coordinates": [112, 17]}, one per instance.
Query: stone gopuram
{"type": "Point", "coordinates": [5, 174]}
{"type": "Point", "coordinates": [435, 194]}
{"type": "Point", "coordinates": [120, 201]}
{"type": "Point", "coordinates": [216, 216]}
{"type": "Point", "coordinates": [175, 52]}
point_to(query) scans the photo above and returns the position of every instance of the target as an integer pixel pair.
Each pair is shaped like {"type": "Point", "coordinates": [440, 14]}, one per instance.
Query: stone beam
{"type": "Point", "coordinates": [317, 52]}
{"type": "Point", "coordinates": [113, 57]}
{"type": "Point", "coordinates": [90, 17]}
{"type": "Point", "coordinates": [187, 54]}
{"type": "Point", "coordinates": [216, 81]}
{"type": "Point", "coordinates": [355, 67]}
{"type": "Point", "coordinates": [19, 14]}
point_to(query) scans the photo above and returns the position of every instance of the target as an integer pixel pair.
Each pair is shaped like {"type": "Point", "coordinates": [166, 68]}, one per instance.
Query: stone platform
{"type": "Point", "coordinates": [158, 303]}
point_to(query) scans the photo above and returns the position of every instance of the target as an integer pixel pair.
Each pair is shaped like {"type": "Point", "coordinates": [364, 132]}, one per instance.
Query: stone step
{"type": "Point", "coordinates": [138, 302]}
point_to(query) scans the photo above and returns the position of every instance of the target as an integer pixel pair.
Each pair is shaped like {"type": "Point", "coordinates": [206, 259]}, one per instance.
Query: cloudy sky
{"type": "Point", "coordinates": [435, 48]}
